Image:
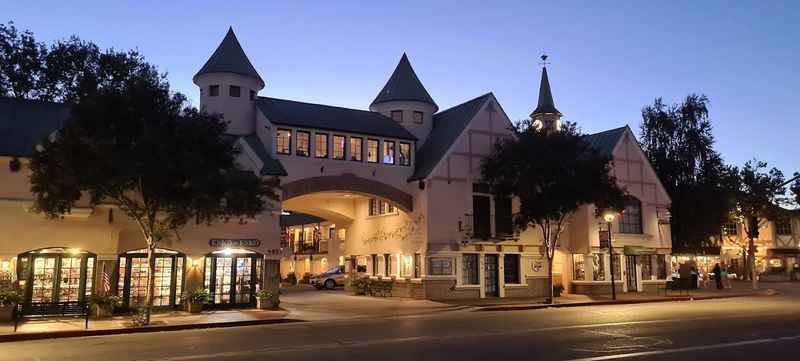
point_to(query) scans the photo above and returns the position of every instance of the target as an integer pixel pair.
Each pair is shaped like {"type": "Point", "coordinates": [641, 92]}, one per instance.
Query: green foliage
{"type": "Point", "coordinates": [10, 296]}
{"type": "Point", "coordinates": [557, 290]}
{"type": "Point", "coordinates": [269, 296]}
{"type": "Point", "coordinates": [197, 295]}
{"type": "Point", "coordinates": [795, 188]}
{"type": "Point", "coordinates": [679, 143]}
{"type": "Point", "coordinates": [368, 286]}
{"type": "Point", "coordinates": [760, 192]}
{"type": "Point", "coordinates": [291, 278]}
{"type": "Point", "coordinates": [140, 317]}
{"type": "Point", "coordinates": [112, 301]}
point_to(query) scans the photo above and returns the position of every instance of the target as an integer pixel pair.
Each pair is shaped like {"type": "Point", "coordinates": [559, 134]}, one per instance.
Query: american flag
{"type": "Point", "coordinates": [106, 280]}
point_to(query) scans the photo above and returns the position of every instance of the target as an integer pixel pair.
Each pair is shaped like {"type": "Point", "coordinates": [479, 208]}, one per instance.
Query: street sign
{"type": "Point", "coordinates": [228, 243]}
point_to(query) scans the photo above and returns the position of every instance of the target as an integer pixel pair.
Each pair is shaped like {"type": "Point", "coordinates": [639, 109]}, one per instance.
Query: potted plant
{"type": "Point", "coordinates": [557, 289]}
{"type": "Point", "coordinates": [9, 298]}
{"type": "Point", "coordinates": [267, 300]}
{"type": "Point", "coordinates": [195, 300]}
{"type": "Point", "coordinates": [103, 306]}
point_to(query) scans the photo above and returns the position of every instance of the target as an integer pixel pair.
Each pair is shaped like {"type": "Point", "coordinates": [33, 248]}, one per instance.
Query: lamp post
{"type": "Point", "coordinates": [609, 216]}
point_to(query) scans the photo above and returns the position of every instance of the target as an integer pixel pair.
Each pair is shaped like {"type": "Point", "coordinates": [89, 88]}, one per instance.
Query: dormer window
{"type": "Point", "coordinates": [213, 91]}
{"type": "Point", "coordinates": [404, 154]}
{"type": "Point", "coordinates": [417, 117]}
{"type": "Point", "coordinates": [283, 145]}
{"type": "Point", "coordinates": [321, 145]}
{"type": "Point", "coordinates": [388, 152]}
{"type": "Point", "coordinates": [235, 91]}
{"type": "Point", "coordinates": [397, 115]}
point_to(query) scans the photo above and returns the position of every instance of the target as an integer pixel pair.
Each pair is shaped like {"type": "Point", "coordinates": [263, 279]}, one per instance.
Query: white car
{"type": "Point", "coordinates": [329, 279]}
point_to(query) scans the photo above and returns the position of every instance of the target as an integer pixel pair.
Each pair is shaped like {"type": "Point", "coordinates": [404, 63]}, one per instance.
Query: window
{"type": "Point", "coordinates": [417, 117]}
{"type": "Point", "coordinates": [380, 266]}
{"type": "Point", "coordinates": [631, 220]}
{"type": "Point", "coordinates": [404, 156]}
{"type": "Point", "coordinates": [502, 217]}
{"type": "Point", "coordinates": [235, 91]}
{"type": "Point", "coordinates": [417, 265]}
{"type": "Point", "coordinates": [481, 217]}
{"type": "Point", "coordinates": [469, 267]}
{"type": "Point", "coordinates": [599, 270]}
{"type": "Point", "coordinates": [356, 149]}
{"type": "Point", "coordinates": [783, 228]}
{"type": "Point", "coordinates": [386, 207]}
{"type": "Point", "coordinates": [406, 265]}
{"type": "Point", "coordinates": [388, 152]}
{"type": "Point", "coordinates": [390, 271]}
{"type": "Point", "coordinates": [379, 207]}
{"type": "Point", "coordinates": [646, 263]}
{"type": "Point", "coordinates": [511, 268]}
{"type": "Point", "coordinates": [284, 142]}
{"type": "Point", "coordinates": [213, 91]}
{"type": "Point", "coordinates": [397, 115]}
{"type": "Point", "coordinates": [321, 145]}
{"type": "Point", "coordinates": [372, 150]}
{"type": "Point", "coordinates": [373, 207]}
{"type": "Point", "coordinates": [440, 266]}
{"type": "Point", "coordinates": [617, 268]}
{"type": "Point", "coordinates": [661, 266]}
{"type": "Point", "coordinates": [338, 147]}
{"type": "Point", "coordinates": [303, 144]}
{"type": "Point", "coordinates": [252, 95]}
{"type": "Point", "coordinates": [578, 267]}
{"type": "Point", "coordinates": [730, 229]}
{"type": "Point", "coordinates": [374, 264]}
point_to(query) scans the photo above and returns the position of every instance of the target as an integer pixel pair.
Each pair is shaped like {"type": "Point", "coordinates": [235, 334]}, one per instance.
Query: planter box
{"type": "Point", "coordinates": [6, 313]}
{"type": "Point", "coordinates": [193, 307]}
{"type": "Point", "coordinates": [101, 311]}
{"type": "Point", "coordinates": [265, 305]}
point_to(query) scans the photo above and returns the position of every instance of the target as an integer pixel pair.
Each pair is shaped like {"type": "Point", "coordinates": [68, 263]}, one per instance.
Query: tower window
{"type": "Point", "coordinates": [283, 145]}
{"type": "Point", "coordinates": [397, 116]}
{"type": "Point", "coordinates": [321, 145]}
{"type": "Point", "coordinates": [252, 95]}
{"type": "Point", "coordinates": [338, 146]}
{"type": "Point", "coordinates": [417, 117]}
{"type": "Point", "coordinates": [356, 151]}
{"type": "Point", "coordinates": [303, 144]}
{"type": "Point", "coordinates": [631, 220]}
{"type": "Point", "coordinates": [404, 156]}
{"type": "Point", "coordinates": [235, 91]}
{"type": "Point", "coordinates": [388, 152]}
{"type": "Point", "coordinates": [372, 150]}
{"type": "Point", "coordinates": [213, 91]}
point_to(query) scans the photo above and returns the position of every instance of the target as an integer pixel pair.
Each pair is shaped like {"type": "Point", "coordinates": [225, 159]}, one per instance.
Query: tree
{"type": "Point", "coordinates": [20, 62]}
{"type": "Point", "coordinates": [133, 144]}
{"type": "Point", "coordinates": [679, 143]}
{"type": "Point", "coordinates": [759, 197]}
{"type": "Point", "coordinates": [795, 188]}
{"type": "Point", "coordinates": [552, 174]}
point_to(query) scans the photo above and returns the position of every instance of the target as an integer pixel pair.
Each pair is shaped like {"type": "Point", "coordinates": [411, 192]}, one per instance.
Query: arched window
{"type": "Point", "coordinates": [55, 275]}
{"type": "Point", "coordinates": [631, 220]}
{"type": "Point", "coordinates": [133, 271]}
{"type": "Point", "coordinates": [233, 276]}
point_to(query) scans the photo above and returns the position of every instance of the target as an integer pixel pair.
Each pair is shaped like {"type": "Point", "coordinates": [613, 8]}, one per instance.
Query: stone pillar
{"type": "Point", "coordinates": [272, 275]}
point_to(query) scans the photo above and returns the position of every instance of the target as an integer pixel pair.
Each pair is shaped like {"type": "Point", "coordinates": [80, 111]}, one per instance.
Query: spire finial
{"type": "Point", "coordinates": [544, 60]}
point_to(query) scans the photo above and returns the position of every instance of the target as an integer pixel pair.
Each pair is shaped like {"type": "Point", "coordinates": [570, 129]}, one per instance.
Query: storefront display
{"type": "Point", "coordinates": [232, 277]}
{"type": "Point", "coordinates": [55, 275]}
{"type": "Point", "coordinates": [168, 283]}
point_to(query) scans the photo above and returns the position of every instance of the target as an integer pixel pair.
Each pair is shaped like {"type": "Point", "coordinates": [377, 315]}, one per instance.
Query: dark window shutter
{"type": "Point", "coordinates": [502, 217]}
{"type": "Point", "coordinates": [481, 218]}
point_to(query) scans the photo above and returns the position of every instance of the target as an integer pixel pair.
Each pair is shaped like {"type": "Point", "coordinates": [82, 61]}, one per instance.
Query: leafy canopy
{"type": "Point", "coordinates": [761, 191]}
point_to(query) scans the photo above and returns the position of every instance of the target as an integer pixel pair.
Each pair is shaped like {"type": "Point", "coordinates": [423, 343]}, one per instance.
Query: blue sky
{"type": "Point", "coordinates": [608, 58]}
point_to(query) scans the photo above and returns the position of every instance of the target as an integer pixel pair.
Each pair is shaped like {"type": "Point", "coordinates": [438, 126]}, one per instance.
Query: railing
{"type": "Point", "coordinates": [47, 309]}
{"type": "Point", "coordinates": [310, 247]}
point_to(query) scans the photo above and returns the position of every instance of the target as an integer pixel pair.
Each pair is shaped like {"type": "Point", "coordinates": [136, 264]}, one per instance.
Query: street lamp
{"type": "Point", "coordinates": [609, 217]}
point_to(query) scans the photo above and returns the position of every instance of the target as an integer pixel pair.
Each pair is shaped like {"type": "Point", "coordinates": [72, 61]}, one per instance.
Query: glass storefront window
{"type": "Point", "coordinates": [646, 263]}
{"type": "Point", "coordinates": [233, 276]}
{"type": "Point", "coordinates": [599, 269]}
{"type": "Point", "coordinates": [469, 267]}
{"type": "Point", "coordinates": [168, 280]}
{"type": "Point", "coordinates": [617, 267]}
{"type": "Point", "coordinates": [511, 268]}
{"type": "Point", "coordinates": [56, 275]}
{"type": "Point", "coordinates": [578, 267]}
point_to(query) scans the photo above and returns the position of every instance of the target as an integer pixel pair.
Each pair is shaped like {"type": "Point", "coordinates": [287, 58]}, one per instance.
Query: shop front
{"type": "Point", "coordinates": [232, 277]}
{"type": "Point", "coordinates": [53, 277]}
{"type": "Point", "coordinates": [132, 277]}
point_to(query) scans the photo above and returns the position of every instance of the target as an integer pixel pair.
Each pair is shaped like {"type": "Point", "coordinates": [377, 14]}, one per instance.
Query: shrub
{"type": "Point", "coordinates": [291, 278]}
{"type": "Point", "coordinates": [10, 296]}
{"type": "Point", "coordinates": [265, 295]}
{"type": "Point", "coordinates": [197, 295]}
{"type": "Point", "coordinates": [139, 318]}
{"type": "Point", "coordinates": [361, 286]}
{"type": "Point", "coordinates": [112, 301]}
{"type": "Point", "coordinates": [557, 289]}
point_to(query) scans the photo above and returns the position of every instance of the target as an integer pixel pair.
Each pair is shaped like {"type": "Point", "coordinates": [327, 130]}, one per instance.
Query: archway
{"type": "Point", "coordinates": [348, 183]}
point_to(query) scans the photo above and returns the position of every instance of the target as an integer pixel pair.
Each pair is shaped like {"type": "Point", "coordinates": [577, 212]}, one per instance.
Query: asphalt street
{"type": "Point", "coordinates": [749, 328]}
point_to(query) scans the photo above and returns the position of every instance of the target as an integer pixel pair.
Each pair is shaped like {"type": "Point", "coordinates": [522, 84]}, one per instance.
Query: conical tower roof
{"type": "Point", "coordinates": [404, 85]}
{"type": "Point", "coordinates": [230, 58]}
{"type": "Point", "coordinates": [546, 104]}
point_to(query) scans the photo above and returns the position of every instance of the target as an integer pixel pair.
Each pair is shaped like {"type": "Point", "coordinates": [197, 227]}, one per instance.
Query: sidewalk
{"type": "Point", "coordinates": [56, 327]}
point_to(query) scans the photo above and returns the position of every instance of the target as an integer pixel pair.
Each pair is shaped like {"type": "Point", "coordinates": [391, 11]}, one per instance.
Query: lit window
{"type": "Point", "coordinates": [213, 90]}
{"type": "Point", "coordinates": [730, 229]}
{"type": "Point", "coordinates": [303, 144]}
{"type": "Point", "coordinates": [390, 268]}
{"type": "Point", "coordinates": [284, 142]}
{"type": "Point", "coordinates": [417, 265]}
{"type": "Point", "coordinates": [404, 156]}
{"type": "Point", "coordinates": [578, 267]}
{"type": "Point", "coordinates": [406, 265]}
{"type": "Point", "coordinates": [440, 266]}
{"type": "Point", "coordinates": [388, 152]}
{"type": "Point", "coordinates": [469, 266]}
{"type": "Point", "coordinates": [397, 115]}
{"type": "Point", "coordinates": [338, 147]}
{"type": "Point", "coordinates": [599, 270]}
{"type": "Point", "coordinates": [646, 264]}
{"type": "Point", "coordinates": [783, 228]}
{"type": "Point", "coordinates": [372, 150]}
{"type": "Point", "coordinates": [321, 145]}
{"type": "Point", "coordinates": [631, 220]}
{"type": "Point", "coordinates": [511, 269]}
{"type": "Point", "coordinates": [378, 207]}
{"type": "Point", "coordinates": [235, 91]}
{"type": "Point", "coordinates": [417, 117]}
{"type": "Point", "coordinates": [356, 151]}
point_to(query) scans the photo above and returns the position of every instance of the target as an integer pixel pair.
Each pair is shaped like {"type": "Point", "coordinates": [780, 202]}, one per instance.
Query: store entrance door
{"type": "Point", "coordinates": [630, 269]}
{"type": "Point", "coordinates": [232, 279]}
{"type": "Point", "coordinates": [490, 271]}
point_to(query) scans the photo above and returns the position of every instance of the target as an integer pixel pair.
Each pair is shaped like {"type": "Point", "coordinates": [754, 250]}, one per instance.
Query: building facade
{"type": "Point", "coordinates": [392, 192]}
{"type": "Point", "coordinates": [777, 246]}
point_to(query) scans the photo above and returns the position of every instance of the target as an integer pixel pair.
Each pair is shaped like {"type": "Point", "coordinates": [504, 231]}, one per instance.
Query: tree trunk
{"type": "Point", "coordinates": [151, 279]}
{"type": "Point", "coordinates": [751, 262]}
{"type": "Point", "coordinates": [550, 297]}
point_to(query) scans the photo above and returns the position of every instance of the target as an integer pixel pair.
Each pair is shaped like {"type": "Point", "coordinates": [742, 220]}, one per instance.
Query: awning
{"type": "Point", "coordinates": [638, 250]}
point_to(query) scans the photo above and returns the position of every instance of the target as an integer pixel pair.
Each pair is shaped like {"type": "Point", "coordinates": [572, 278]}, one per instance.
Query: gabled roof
{"type": "Point", "coordinates": [447, 126]}
{"type": "Point", "coordinates": [326, 117]}
{"type": "Point", "coordinates": [23, 124]}
{"type": "Point", "coordinates": [229, 58]}
{"type": "Point", "coordinates": [605, 141]}
{"type": "Point", "coordinates": [271, 165]}
{"type": "Point", "coordinates": [404, 85]}
{"type": "Point", "coordinates": [546, 103]}
{"type": "Point", "coordinates": [297, 218]}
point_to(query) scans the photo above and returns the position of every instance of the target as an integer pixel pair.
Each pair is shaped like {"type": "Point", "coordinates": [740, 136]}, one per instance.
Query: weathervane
{"type": "Point", "coordinates": [544, 60]}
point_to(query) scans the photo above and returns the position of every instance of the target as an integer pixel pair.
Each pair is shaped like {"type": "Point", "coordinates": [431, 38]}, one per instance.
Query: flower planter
{"type": "Point", "coordinates": [102, 311]}
{"type": "Point", "coordinates": [194, 307]}
{"type": "Point", "coordinates": [7, 313]}
{"type": "Point", "coordinates": [266, 304]}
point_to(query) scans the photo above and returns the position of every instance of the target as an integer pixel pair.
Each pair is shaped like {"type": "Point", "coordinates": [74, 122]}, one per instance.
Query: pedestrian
{"type": "Point", "coordinates": [726, 283]}
{"type": "Point", "coordinates": [718, 276]}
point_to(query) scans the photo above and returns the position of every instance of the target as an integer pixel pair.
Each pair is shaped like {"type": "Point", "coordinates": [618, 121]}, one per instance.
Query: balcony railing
{"type": "Point", "coordinates": [301, 247]}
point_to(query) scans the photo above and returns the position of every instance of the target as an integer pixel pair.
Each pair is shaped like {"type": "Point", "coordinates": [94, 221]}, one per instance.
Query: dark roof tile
{"type": "Point", "coordinates": [230, 58]}
{"type": "Point", "coordinates": [23, 124]}
{"type": "Point", "coordinates": [605, 141]}
{"type": "Point", "coordinates": [404, 85]}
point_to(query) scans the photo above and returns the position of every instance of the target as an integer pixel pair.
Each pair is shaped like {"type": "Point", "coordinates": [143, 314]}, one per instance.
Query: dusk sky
{"type": "Point", "coordinates": [608, 59]}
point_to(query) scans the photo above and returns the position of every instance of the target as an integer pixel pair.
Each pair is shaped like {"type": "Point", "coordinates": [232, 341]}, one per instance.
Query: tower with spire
{"type": "Point", "coordinates": [546, 114]}
{"type": "Point", "coordinates": [229, 86]}
{"type": "Point", "coordinates": [405, 100]}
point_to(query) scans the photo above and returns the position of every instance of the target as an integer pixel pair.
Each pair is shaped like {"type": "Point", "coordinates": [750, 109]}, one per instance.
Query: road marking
{"type": "Point", "coordinates": [691, 348]}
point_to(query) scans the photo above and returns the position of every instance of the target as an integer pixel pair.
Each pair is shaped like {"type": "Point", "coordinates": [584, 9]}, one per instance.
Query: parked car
{"type": "Point", "coordinates": [329, 279]}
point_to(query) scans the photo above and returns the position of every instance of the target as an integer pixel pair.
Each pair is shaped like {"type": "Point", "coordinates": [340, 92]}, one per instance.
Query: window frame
{"type": "Point", "coordinates": [512, 276]}
{"type": "Point", "coordinates": [627, 223]}
{"type": "Point", "coordinates": [783, 228]}
{"type": "Point", "coordinates": [398, 154]}
{"type": "Point", "coordinates": [467, 277]}
{"type": "Point", "coordinates": [308, 143]}
{"type": "Point", "coordinates": [235, 94]}
{"type": "Point", "coordinates": [213, 90]}
{"type": "Point", "coordinates": [599, 267]}
{"type": "Point", "coordinates": [578, 259]}
{"type": "Point", "coordinates": [433, 269]}
{"type": "Point", "coordinates": [393, 144]}
{"type": "Point", "coordinates": [252, 94]}
{"type": "Point", "coordinates": [503, 219]}
{"type": "Point", "coordinates": [317, 136]}
{"type": "Point", "coordinates": [334, 146]}
{"type": "Point", "coordinates": [393, 112]}
{"type": "Point", "coordinates": [360, 149]}
{"type": "Point", "coordinates": [277, 141]}
{"type": "Point", "coordinates": [421, 117]}
{"type": "Point", "coordinates": [377, 150]}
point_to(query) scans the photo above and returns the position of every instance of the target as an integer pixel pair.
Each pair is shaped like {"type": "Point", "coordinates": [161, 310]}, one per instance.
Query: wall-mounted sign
{"type": "Point", "coordinates": [234, 243]}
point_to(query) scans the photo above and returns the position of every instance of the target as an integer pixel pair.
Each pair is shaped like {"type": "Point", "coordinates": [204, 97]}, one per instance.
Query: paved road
{"type": "Point", "coordinates": [731, 329]}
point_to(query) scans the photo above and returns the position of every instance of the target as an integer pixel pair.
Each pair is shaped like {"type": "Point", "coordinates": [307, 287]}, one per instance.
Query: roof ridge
{"type": "Point", "coordinates": [608, 130]}
{"type": "Point", "coordinates": [464, 103]}
{"type": "Point", "coordinates": [322, 105]}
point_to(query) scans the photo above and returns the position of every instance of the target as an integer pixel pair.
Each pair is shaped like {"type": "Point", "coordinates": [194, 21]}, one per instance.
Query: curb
{"type": "Point", "coordinates": [13, 337]}
{"type": "Point", "coordinates": [609, 302]}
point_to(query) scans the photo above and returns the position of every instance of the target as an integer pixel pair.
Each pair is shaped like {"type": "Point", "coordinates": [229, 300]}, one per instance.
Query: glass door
{"type": "Point", "coordinates": [244, 267]}
{"type": "Point", "coordinates": [222, 280]}
{"type": "Point", "coordinates": [630, 269]}
{"type": "Point", "coordinates": [232, 278]}
{"type": "Point", "coordinates": [133, 277]}
{"type": "Point", "coordinates": [44, 277]}
{"type": "Point", "coordinates": [490, 271]}
{"type": "Point", "coordinates": [55, 275]}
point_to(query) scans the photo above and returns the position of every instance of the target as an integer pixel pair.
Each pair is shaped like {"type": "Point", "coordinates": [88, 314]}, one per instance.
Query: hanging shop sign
{"type": "Point", "coordinates": [234, 243]}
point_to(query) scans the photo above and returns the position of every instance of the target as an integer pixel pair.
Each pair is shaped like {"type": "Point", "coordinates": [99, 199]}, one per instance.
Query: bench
{"type": "Point", "coordinates": [51, 309]}
{"type": "Point", "coordinates": [680, 285]}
